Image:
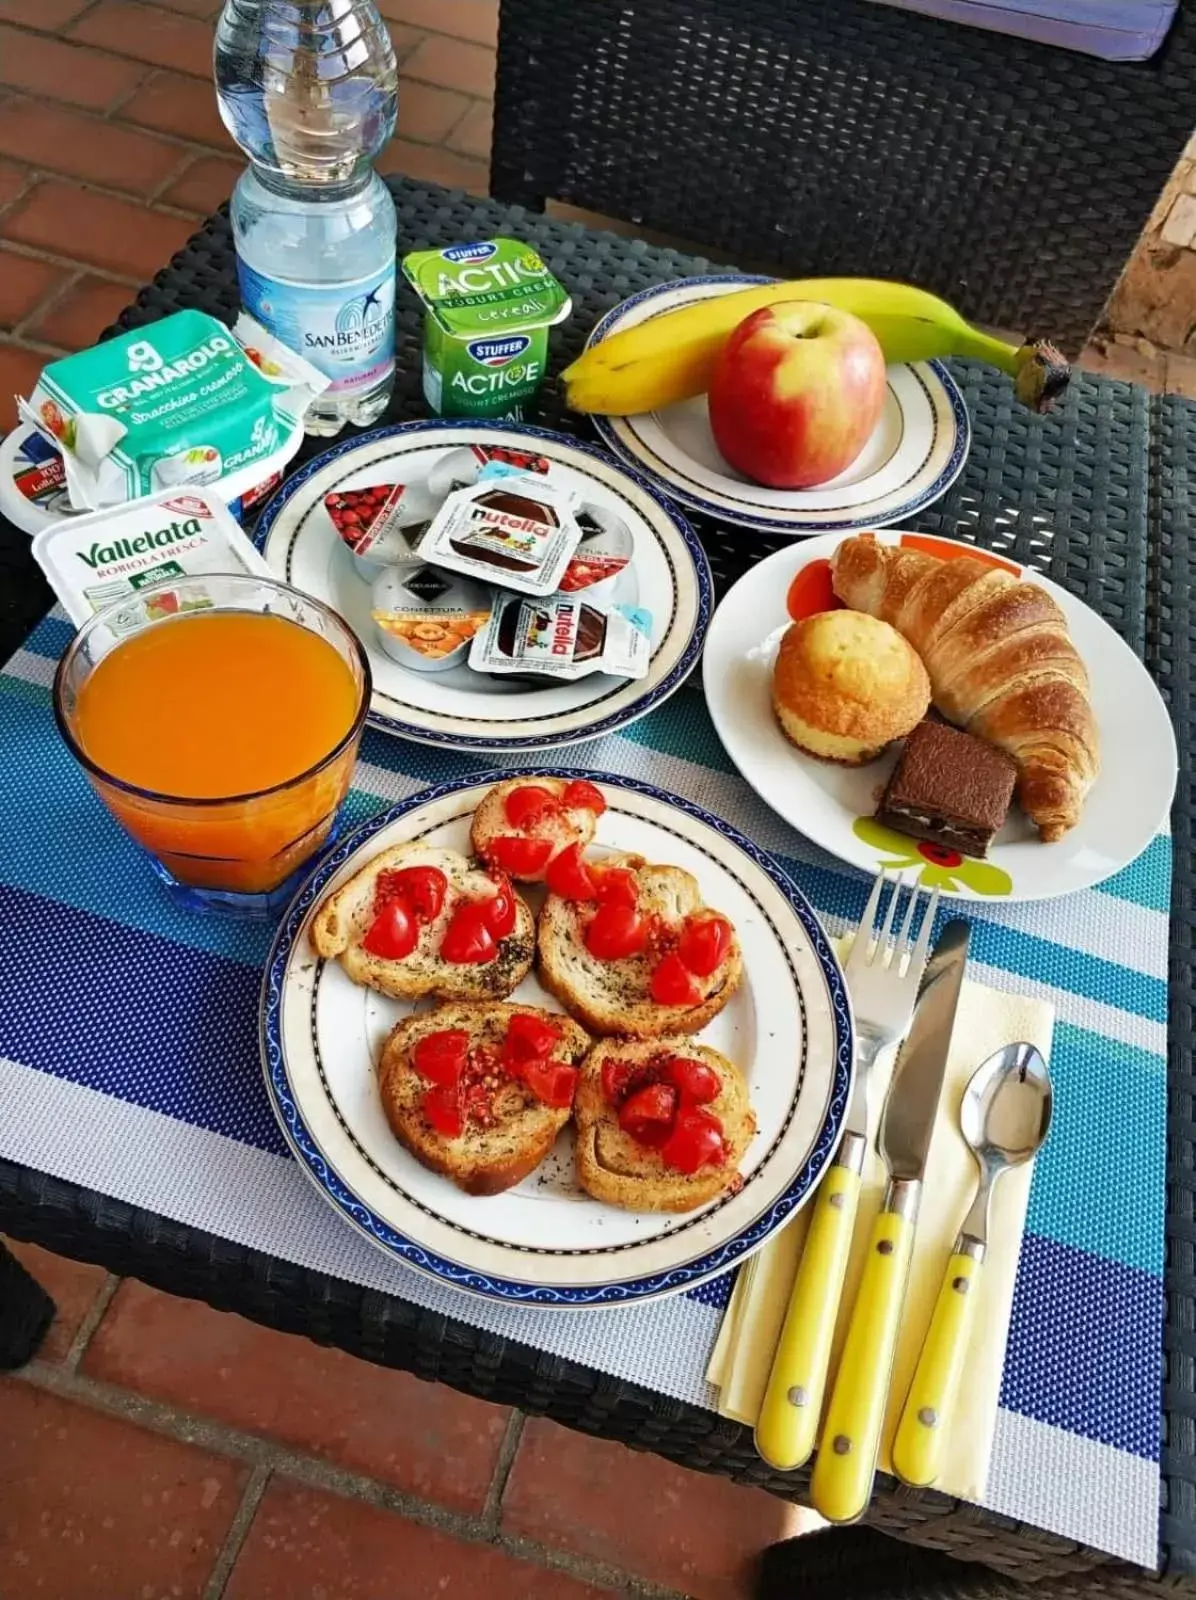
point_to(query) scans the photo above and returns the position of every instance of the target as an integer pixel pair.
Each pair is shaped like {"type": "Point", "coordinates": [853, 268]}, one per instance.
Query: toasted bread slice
{"type": "Point", "coordinates": [614, 1167]}
{"type": "Point", "coordinates": [613, 996]}
{"type": "Point", "coordinates": [574, 825]}
{"type": "Point", "coordinates": [344, 918]}
{"type": "Point", "coordinates": [483, 1159]}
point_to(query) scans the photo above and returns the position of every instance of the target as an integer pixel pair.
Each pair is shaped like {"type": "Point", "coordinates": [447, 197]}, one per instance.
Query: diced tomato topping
{"type": "Point", "coordinates": [522, 858]}
{"type": "Point", "coordinates": [442, 1106]}
{"type": "Point", "coordinates": [552, 1082]}
{"type": "Point", "coordinates": [696, 1141]}
{"type": "Point", "coordinates": [672, 983]}
{"type": "Point", "coordinates": [583, 795]}
{"type": "Point", "coordinates": [570, 876]}
{"type": "Point", "coordinates": [647, 1115]}
{"type": "Point", "coordinates": [422, 889]}
{"type": "Point", "coordinates": [500, 908]}
{"type": "Point", "coordinates": [440, 1057]}
{"type": "Point", "coordinates": [467, 939]}
{"type": "Point", "coordinates": [394, 932]}
{"type": "Point", "coordinates": [615, 932]}
{"type": "Point", "coordinates": [694, 1081]}
{"type": "Point", "coordinates": [616, 886]}
{"type": "Point", "coordinates": [529, 1038]}
{"type": "Point", "coordinates": [529, 804]}
{"type": "Point", "coordinates": [616, 1075]}
{"type": "Point", "coordinates": [705, 943]}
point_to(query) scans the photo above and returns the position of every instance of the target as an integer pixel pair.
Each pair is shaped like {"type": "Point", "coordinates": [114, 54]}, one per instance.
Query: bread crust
{"type": "Point", "coordinates": [611, 997]}
{"type": "Point", "coordinates": [616, 1169]}
{"type": "Point", "coordinates": [343, 918]}
{"type": "Point", "coordinates": [573, 826]}
{"type": "Point", "coordinates": [480, 1162]}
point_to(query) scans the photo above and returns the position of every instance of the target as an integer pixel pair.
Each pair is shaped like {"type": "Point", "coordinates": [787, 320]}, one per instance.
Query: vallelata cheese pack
{"type": "Point", "coordinates": [141, 549]}
{"type": "Point", "coordinates": [183, 401]}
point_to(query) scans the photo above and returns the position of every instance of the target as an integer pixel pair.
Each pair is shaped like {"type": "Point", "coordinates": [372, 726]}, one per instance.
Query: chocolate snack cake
{"type": "Point", "coordinates": [950, 788]}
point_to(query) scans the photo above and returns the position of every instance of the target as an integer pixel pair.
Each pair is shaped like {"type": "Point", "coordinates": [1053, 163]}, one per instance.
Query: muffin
{"type": "Point", "coordinates": [845, 685]}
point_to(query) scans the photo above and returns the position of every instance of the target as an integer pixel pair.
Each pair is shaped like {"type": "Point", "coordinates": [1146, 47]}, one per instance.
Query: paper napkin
{"type": "Point", "coordinates": [743, 1352]}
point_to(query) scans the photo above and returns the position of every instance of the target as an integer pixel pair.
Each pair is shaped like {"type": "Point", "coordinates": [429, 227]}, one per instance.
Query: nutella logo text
{"type": "Point", "coordinates": [563, 630]}
{"type": "Point", "coordinates": [509, 523]}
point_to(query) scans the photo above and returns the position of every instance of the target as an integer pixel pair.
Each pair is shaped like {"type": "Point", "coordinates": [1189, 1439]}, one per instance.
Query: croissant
{"type": "Point", "coordinates": [1000, 661]}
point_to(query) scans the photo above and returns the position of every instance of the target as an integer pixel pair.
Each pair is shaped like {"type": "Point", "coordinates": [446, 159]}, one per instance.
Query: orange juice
{"type": "Point", "coordinates": [242, 709]}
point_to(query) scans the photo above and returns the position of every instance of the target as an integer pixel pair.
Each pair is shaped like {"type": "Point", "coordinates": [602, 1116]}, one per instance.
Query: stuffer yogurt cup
{"type": "Point", "coordinates": [488, 308]}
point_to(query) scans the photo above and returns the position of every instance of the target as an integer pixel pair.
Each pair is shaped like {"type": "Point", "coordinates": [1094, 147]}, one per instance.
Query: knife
{"type": "Point", "coordinates": [845, 1466]}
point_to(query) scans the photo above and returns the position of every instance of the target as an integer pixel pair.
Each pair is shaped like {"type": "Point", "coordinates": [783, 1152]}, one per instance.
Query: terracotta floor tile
{"type": "Point", "coordinates": [476, 20]}
{"type": "Point", "coordinates": [24, 284]}
{"type": "Point", "coordinates": [13, 178]}
{"type": "Point", "coordinates": [79, 224]}
{"type": "Point", "coordinates": [72, 1285]}
{"type": "Point", "coordinates": [306, 1545]}
{"type": "Point", "coordinates": [686, 1530]}
{"type": "Point", "coordinates": [93, 1508]}
{"type": "Point", "coordinates": [206, 184]}
{"type": "Point", "coordinates": [472, 134]}
{"type": "Point", "coordinates": [19, 371]}
{"type": "Point", "coordinates": [433, 164]}
{"type": "Point", "coordinates": [421, 1437]}
{"type": "Point", "coordinates": [83, 313]}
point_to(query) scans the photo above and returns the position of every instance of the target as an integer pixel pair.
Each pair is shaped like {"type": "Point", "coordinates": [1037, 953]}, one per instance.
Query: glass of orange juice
{"type": "Point", "coordinates": [218, 719]}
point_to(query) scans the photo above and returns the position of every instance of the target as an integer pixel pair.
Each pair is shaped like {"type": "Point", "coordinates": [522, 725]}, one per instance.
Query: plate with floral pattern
{"type": "Point", "coordinates": [835, 806]}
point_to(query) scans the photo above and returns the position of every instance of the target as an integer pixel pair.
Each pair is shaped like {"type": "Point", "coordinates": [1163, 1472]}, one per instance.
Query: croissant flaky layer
{"type": "Point", "coordinates": [1000, 661]}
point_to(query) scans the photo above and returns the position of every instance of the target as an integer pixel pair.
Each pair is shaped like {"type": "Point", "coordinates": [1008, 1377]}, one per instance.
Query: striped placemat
{"type": "Point", "coordinates": [129, 1063]}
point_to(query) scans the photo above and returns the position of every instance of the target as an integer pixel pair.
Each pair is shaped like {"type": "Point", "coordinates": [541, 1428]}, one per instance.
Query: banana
{"type": "Point", "coordinates": [672, 356]}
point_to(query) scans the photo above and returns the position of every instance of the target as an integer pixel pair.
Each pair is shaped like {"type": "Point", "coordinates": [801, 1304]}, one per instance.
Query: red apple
{"type": "Point", "coordinates": [798, 389]}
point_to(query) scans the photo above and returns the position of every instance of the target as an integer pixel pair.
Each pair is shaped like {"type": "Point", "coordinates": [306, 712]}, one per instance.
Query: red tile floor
{"type": "Point", "coordinates": [159, 1450]}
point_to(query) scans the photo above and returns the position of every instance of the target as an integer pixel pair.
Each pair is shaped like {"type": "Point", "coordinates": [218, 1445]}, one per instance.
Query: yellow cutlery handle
{"type": "Point", "coordinates": [918, 1447]}
{"type": "Point", "coordinates": [841, 1485]}
{"type": "Point", "coordinates": [788, 1422]}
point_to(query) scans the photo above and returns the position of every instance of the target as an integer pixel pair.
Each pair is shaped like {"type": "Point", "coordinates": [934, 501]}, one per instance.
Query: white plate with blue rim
{"type": "Point", "coordinates": [788, 1028]}
{"type": "Point", "coordinates": [667, 576]}
{"type": "Point", "coordinates": [916, 451]}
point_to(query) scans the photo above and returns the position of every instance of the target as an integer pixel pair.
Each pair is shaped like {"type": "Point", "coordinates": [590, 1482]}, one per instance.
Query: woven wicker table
{"type": "Point", "coordinates": [1098, 497]}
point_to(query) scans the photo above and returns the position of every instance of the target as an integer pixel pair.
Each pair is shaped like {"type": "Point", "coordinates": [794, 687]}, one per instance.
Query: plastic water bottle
{"type": "Point", "coordinates": [308, 89]}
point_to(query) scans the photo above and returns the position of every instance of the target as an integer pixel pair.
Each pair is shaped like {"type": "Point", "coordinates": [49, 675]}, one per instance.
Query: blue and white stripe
{"type": "Point", "coordinates": [128, 1032]}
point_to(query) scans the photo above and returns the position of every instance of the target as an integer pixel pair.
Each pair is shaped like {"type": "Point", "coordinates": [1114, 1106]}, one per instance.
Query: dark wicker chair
{"type": "Point", "coordinates": [838, 136]}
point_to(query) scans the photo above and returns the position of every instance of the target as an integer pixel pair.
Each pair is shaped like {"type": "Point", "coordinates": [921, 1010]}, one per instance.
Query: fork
{"type": "Point", "coordinates": [883, 985]}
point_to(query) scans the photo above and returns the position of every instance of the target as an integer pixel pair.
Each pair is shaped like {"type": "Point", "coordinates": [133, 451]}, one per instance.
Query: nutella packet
{"type": "Point", "coordinates": [517, 531]}
{"type": "Point", "coordinates": [562, 637]}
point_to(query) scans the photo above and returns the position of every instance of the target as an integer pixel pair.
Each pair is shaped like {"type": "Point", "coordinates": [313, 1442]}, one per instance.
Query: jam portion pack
{"type": "Point", "coordinates": [517, 532]}
{"type": "Point", "coordinates": [382, 524]}
{"type": "Point", "coordinates": [426, 618]}
{"type": "Point", "coordinates": [563, 637]}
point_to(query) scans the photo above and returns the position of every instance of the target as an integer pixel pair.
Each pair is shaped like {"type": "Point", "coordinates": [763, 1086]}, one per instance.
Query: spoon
{"type": "Point", "coordinates": [1004, 1117]}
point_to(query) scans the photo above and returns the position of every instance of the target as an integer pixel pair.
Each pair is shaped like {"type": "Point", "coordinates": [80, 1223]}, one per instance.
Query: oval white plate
{"type": "Point", "coordinates": [834, 805]}
{"type": "Point", "coordinates": [915, 454]}
{"type": "Point", "coordinates": [544, 1242]}
{"type": "Point", "coordinates": [466, 710]}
